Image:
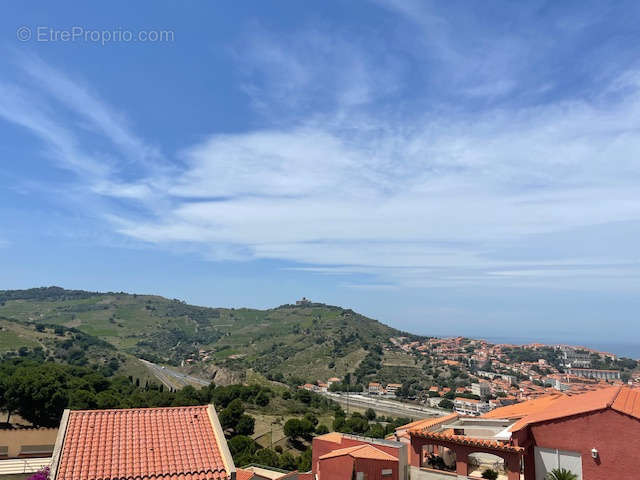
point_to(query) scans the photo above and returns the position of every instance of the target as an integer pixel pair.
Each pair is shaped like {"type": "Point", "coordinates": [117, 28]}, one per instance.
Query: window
{"type": "Point", "coordinates": [549, 458]}
{"type": "Point", "coordinates": [36, 450]}
{"type": "Point", "coordinates": [4, 451]}
{"type": "Point", "coordinates": [387, 472]}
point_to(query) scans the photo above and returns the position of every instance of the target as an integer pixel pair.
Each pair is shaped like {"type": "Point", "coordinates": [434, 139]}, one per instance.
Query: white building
{"type": "Point", "coordinates": [470, 406]}
{"type": "Point", "coordinates": [481, 389]}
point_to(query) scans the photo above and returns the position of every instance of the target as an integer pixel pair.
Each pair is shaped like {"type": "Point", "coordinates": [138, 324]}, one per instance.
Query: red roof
{"type": "Point", "coordinates": [621, 399]}
{"type": "Point", "coordinates": [464, 440]}
{"type": "Point", "coordinates": [427, 423]}
{"type": "Point", "coordinates": [519, 410]}
{"type": "Point", "coordinates": [142, 443]}
{"type": "Point", "coordinates": [361, 451]}
{"type": "Point", "coordinates": [244, 474]}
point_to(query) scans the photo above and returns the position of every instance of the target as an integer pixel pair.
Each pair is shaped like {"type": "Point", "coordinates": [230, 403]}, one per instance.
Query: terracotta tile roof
{"type": "Point", "coordinates": [628, 401]}
{"type": "Point", "coordinates": [471, 441]}
{"type": "Point", "coordinates": [335, 437]}
{"type": "Point", "coordinates": [361, 451]}
{"type": "Point", "coordinates": [244, 474]}
{"type": "Point", "coordinates": [466, 400]}
{"type": "Point", "coordinates": [520, 410]}
{"type": "Point", "coordinates": [621, 399]}
{"type": "Point", "coordinates": [141, 443]}
{"type": "Point", "coordinates": [428, 422]}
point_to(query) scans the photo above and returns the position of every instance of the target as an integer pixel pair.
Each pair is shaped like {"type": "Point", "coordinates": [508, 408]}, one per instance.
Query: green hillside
{"type": "Point", "coordinates": [311, 341]}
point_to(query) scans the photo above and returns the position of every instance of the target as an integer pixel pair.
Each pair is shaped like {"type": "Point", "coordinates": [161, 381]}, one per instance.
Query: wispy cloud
{"type": "Point", "coordinates": [344, 182]}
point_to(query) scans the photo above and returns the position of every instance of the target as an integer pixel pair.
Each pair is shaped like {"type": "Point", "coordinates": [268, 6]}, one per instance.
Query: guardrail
{"type": "Point", "coordinates": [23, 465]}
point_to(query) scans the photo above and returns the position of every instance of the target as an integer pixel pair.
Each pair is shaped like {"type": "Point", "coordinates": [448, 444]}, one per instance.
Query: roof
{"type": "Point", "coordinates": [519, 410]}
{"type": "Point", "coordinates": [143, 443]}
{"type": "Point", "coordinates": [242, 474]}
{"type": "Point", "coordinates": [428, 422]}
{"type": "Point", "coordinates": [361, 451]}
{"type": "Point", "coordinates": [466, 440]}
{"type": "Point", "coordinates": [466, 400]}
{"type": "Point", "coordinates": [335, 437]}
{"type": "Point", "coordinates": [622, 399]}
{"type": "Point", "coordinates": [628, 402]}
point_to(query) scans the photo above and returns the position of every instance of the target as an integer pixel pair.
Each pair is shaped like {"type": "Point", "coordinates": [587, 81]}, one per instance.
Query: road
{"type": "Point", "coordinates": [172, 378]}
{"type": "Point", "coordinates": [386, 406]}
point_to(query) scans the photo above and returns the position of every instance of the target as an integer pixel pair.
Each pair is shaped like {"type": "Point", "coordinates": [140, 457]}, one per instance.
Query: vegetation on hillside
{"type": "Point", "coordinates": [308, 342]}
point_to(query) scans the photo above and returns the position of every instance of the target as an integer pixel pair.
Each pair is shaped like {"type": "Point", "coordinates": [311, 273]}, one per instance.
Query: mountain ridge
{"type": "Point", "coordinates": [309, 340]}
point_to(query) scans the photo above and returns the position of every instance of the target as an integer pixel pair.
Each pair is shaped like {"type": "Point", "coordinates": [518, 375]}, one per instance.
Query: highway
{"type": "Point", "coordinates": [386, 406]}
{"type": "Point", "coordinates": [173, 379]}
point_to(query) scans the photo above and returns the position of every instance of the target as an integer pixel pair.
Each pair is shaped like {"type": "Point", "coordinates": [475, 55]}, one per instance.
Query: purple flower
{"type": "Point", "coordinates": [42, 474]}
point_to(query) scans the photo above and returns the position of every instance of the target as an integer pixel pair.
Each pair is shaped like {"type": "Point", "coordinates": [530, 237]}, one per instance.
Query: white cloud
{"type": "Point", "coordinates": [442, 198]}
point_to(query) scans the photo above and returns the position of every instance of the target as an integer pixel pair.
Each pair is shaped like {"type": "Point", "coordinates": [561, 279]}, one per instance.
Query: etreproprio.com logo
{"type": "Point", "coordinates": [46, 34]}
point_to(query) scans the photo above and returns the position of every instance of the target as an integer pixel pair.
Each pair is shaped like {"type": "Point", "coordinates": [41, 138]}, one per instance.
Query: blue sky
{"type": "Point", "coordinates": [446, 167]}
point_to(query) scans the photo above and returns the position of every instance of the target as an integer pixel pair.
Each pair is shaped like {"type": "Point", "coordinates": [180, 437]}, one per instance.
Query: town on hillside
{"type": "Point", "coordinates": [482, 376]}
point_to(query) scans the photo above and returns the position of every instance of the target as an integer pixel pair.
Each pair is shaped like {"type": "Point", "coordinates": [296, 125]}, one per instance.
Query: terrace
{"type": "Point", "coordinates": [465, 446]}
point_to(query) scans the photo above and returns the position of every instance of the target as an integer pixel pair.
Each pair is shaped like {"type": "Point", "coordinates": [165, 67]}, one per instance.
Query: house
{"type": "Point", "coordinates": [142, 444]}
{"type": "Point", "coordinates": [392, 388]}
{"type": "Point", "coordinates": [481, 389]}
{"type": "Point", "coordinates": [595, 435]}
{"type": "Point", "coordinates": [333, 380]}
{"type": "Point", "coordinates": [338, 456]}
{"type": "Point", "coordinates": [607, 375]}
{"type": "Point", "coordinates": [25, 449]}
{"type": "Point", "coordinates": [21, 441]}
{"type": "Point", "coordinates": [375, 389]}
{"type": "Point", "coordinates": [470, 406]}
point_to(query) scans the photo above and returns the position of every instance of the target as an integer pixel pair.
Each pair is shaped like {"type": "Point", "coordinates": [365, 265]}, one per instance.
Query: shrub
{"type": "Point", "coordinates": [490, 474]}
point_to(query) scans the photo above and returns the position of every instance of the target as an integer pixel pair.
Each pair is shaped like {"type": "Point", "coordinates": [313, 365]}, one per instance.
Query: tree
{"type": "Point", "coordinates": [287, 461]}
{"type": "Point", "coordinates": [322, 429]}
{"type": "Point", "coordinates": [262, 399]}
{"type": "Point", "coordinates": [38, 393]}
{"type": "Point", "coordinates": [376, 430]}
{"type": "Point", "coordinates": [370, 414]}
{"type": "Point", "coordinates": [304, 461]}
{"type": "Point", "coordinates": [266, 456]}
{"type": "Point", "coordinates": [446, 404]}
{"type": "Point", "coordinates": [561, 474]}
{"type": "Point", "coordinates": [245, 425]}
{"type": "Point", "coordinates": [230, 416]}
{"type": "Point", "coordinates": [82, 400]}
{"type": "Point", "coordinates": [294, 428]}
{"type": "Point", "coordinates": [311, 418]}
{"type": "Point", "coordinates": [242, 443]}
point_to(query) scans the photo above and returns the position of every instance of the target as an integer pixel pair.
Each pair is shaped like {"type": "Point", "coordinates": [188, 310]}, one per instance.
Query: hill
{"type": "Point", "coordinates": [288, 343]}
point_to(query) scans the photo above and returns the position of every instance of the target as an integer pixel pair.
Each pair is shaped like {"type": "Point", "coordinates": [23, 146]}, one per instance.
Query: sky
{"type": "Point", "coordinates": [449, 168]}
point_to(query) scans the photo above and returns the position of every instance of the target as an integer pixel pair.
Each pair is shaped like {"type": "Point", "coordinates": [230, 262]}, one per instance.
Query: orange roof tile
{"type": "Point", "coordinates": [428, 422]}
{"type": "Point", "coordinates": [465, 440]}
{"type": "Point", "coordinates": [141, 443]}
{"type": "Point", "coordinates": [621, 399]}
{"type": "Point", "coordinates": [520, 410]}
{"type": "Point", "coordinates": [361, 451]}
{"type": "Point", "coordinates": [628, 401]}
{"type": "Point", "coordinates": [244, 474]}
{"type": "Point", "coordinates": [335, 437]}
